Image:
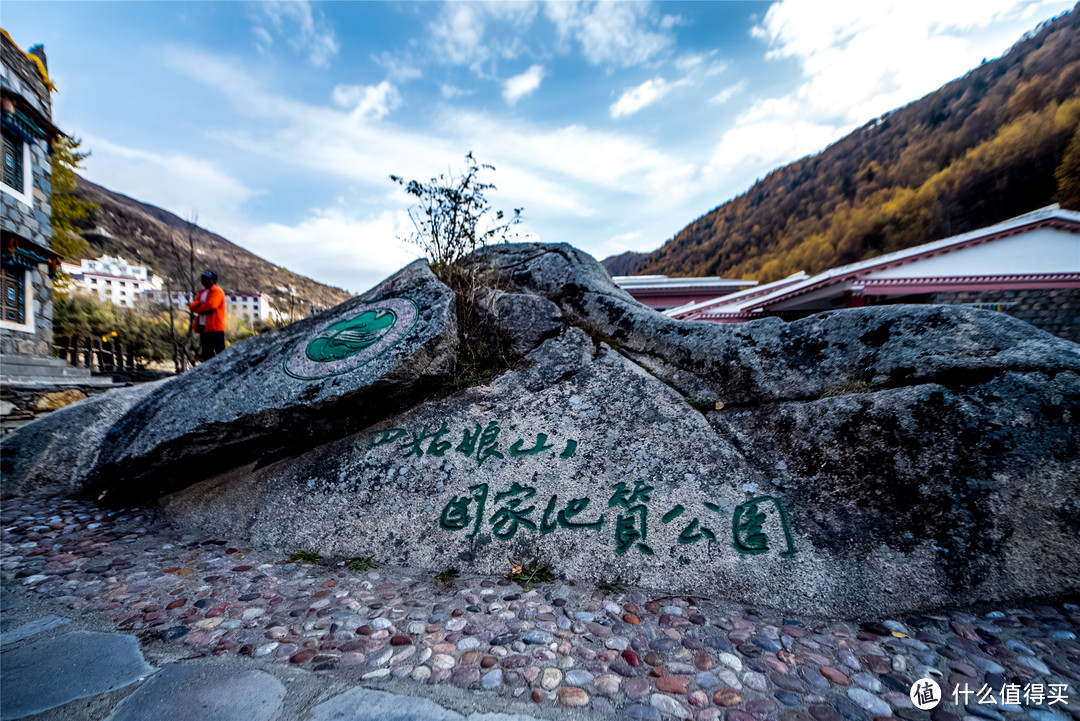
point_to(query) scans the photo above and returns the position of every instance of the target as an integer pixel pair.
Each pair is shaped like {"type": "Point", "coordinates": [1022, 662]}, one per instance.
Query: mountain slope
{"type": "Point", "coordinates": [148, 235]}
{"type": "Point", "coordinates": [979, 150]}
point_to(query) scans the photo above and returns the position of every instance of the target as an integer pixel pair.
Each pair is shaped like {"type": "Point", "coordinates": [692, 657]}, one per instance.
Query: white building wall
{"type": "Point", "coordinates": [1044, 250]}
{"type": "Point", "coordinates": [113, 280]}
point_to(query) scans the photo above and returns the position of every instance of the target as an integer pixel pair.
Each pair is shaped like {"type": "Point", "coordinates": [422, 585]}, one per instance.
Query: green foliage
{"type": "Point", "coordinates": [305, 557]}
{"type": "Point", "coordinates": [142, 332]}
{"type": "Point", "coordinates": [453, 217]}
{"type": "Point", "coordinates": [1068, 175]}
{"type": "Point", "coordinates": [362, 564]}
{"type": "Point", "coordinates": [447, 577]}
{"type": "Point", "coordinates": [996, 143]}
{"type": "Point", "coordinates": [530, 574]}
{"type": "Point", "coordinates": [66, 207]}
{"type": "Point", "coordinates": [614, 585]}
{"type": "Point", "coordinates": [483, 348]}
{"type": "Point", "coordinates": [702, 404]}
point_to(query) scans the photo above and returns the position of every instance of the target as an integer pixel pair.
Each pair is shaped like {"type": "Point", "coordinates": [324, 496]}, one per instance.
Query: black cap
{"type": "Point", "coordinates": [210, 274]}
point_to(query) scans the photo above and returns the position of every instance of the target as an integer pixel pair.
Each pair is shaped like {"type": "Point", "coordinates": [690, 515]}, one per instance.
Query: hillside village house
{"type": "Point", "coordinates": [27, 263]}
{"type": "Point", "coordinates": [112, 279]}
{"type": "Point", "coordinates": [119, 282]}
{"type": "Point", "coordinates": [1028, 267]}
{"type": "Point", "coordinates": [248, 307]}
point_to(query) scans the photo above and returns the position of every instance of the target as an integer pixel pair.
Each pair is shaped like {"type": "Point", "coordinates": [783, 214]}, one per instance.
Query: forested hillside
{"type": "Point", "coordinates": [148, 235]}
{"type": "Point", "coordinates": [1001, 141]}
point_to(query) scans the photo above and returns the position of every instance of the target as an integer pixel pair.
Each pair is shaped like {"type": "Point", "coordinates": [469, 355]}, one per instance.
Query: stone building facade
{"type": "Point", "coordinates": [1054, 310]}
{"type": "Point", "coordinates": [27, 263]}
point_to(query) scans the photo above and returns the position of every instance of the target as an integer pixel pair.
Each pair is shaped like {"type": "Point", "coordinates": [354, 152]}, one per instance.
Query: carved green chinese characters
{"type": "Point", "coordinates": [479, 442]}
{"type": "Point", "coordinates": [631, 527]}
{"type": "Point", "coordinates": [758, 526]}
{"type": "Point", "coordinates": [747, 527]}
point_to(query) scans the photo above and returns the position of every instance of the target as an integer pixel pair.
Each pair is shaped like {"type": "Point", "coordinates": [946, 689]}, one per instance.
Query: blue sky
{"type": "Point", "coordinates": [613, 124]}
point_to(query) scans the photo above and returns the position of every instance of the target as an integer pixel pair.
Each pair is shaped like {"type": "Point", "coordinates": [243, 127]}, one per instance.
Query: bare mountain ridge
{"type": "Point", "coordinates": [998, 142]}
{"type": "Point", "coordinates": [148, 235]}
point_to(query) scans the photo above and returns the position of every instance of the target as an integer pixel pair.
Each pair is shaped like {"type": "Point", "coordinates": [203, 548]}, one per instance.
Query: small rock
{"type": "Point", "coordinates": [731, 661]}
{"type": "Point", "coordinates": [572, 696]}
{"type": "Point", "coordinates": [492, 679]}
{"type": "Point", "coordinates": [607, 684]}
{"type": "Point", "coordinates": [673, 684]}
{"type": "Point", "coordinates": [537, 637]}
{"type": "Point", "coordinates": [835, 676]}
{"type": "Point", "coordinates": [637, 712]}
{"type": "Point", "coordinates": [551, 678]}
{"type": "Point", "coordinates": [869, 701]}
{"type": "Point", "coordinates": [578, 677]}
{"type": "Point", "coordinates": [727, 697]}
{"type": "Point", "coordinates": [443, 661]}
{"type": "Point", "coordinates": [870, 682]}
{"type": "Point", "coordinates": [668, 706]}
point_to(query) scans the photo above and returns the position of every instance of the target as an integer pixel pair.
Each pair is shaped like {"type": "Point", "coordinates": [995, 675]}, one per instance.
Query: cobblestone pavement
{"type": "Point", "coordinates": [625, 654]}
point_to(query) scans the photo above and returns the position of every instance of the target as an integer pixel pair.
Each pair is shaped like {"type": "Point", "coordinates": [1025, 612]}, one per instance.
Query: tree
{"type": "Point", "coordinates": [453, 217]}
{"type": "Point", "coordinates": [83, 317]}
{"type": "Point", "coordinates": [183, 354]}
{"type": "Point", "coordinates": [66, 207]}
{"type": "Point", "coordinates": [1068, 175]}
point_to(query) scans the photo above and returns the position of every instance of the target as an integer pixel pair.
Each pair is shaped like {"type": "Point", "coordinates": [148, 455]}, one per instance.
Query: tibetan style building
{"type": "Point", "coordinates": [1028, 267]}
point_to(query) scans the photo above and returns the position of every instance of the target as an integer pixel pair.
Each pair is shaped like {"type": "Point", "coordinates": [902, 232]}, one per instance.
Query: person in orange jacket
{"type": "Point", "coordinates": [209, 308]}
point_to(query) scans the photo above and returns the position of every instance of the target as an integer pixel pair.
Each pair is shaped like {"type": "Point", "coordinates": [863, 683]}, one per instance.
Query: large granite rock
{"type": "Point", "coordinates": [314, 380]}
{"type": "Point", "coordinates": [872, 460]}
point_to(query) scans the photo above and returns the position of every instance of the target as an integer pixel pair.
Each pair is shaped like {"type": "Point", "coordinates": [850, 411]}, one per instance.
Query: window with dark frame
{"type": "Point", "coordinates": [13, 162]}
{"type": "Point", "coordinates": [13, 300]}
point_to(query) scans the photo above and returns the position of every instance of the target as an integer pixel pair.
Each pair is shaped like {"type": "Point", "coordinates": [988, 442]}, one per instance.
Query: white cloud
{"type": "Point", "coordinates": [450, 92]}
{"type": "Point", "coordinates": [537, 165]}
{"type": "Point", "coordinates": [769, 143]}
{"type": "Point", "coordinates": [368, 101]}
{"type": "Point", "coordinates": [458, 35]}
{"type": "Point", "coordinates": [728, 93]}
{"type": "Point", "coordinates": [623, 242]}
{"type": "Point", "coordinates": [519, 86]}
{"type": "Point", "coordinates": [180, 183]}
{"type": "Point", "coordinates": [351, 252]}
{"type": "Point", "coordinates": [263, 39]}
{"type": "Point", "coordinates": [694, 68]}
{"type": "Point", "coordinates": [699, 65]}
{"type": "Point", "coordinates": [614, 34]}
{"type": "Point", "coordinates": [860, 60]}
{"type": "Point", "coordinates": [307, 32]}
{"type": "Point", "coordinates": [570, 179]}
{"type": "Point", "coordinates": [636, 98]}
{"type": "Point", "coordinates": [672, 21]}
{"type": "Point", "coordinates": [398, 70]}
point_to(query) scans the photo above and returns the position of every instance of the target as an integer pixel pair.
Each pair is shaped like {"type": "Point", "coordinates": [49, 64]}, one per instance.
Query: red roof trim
{"type": "Point", "coordinates": [1058, 223]}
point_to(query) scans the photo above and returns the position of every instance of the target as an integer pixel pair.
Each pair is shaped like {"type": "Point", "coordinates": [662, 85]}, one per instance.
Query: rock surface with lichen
{"type": "Point", "coordinates": [888, 459]}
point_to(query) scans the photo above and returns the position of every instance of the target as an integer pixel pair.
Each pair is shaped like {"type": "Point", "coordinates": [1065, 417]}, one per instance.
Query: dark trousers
{"type": "Point", "coordinates": [212, 342]}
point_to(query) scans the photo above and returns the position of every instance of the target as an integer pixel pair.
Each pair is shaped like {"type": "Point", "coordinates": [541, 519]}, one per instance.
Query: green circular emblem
{"type": "Point", "coordinates": [349, 337]}
{"type": "Point", "coordinates": [341, 346]}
